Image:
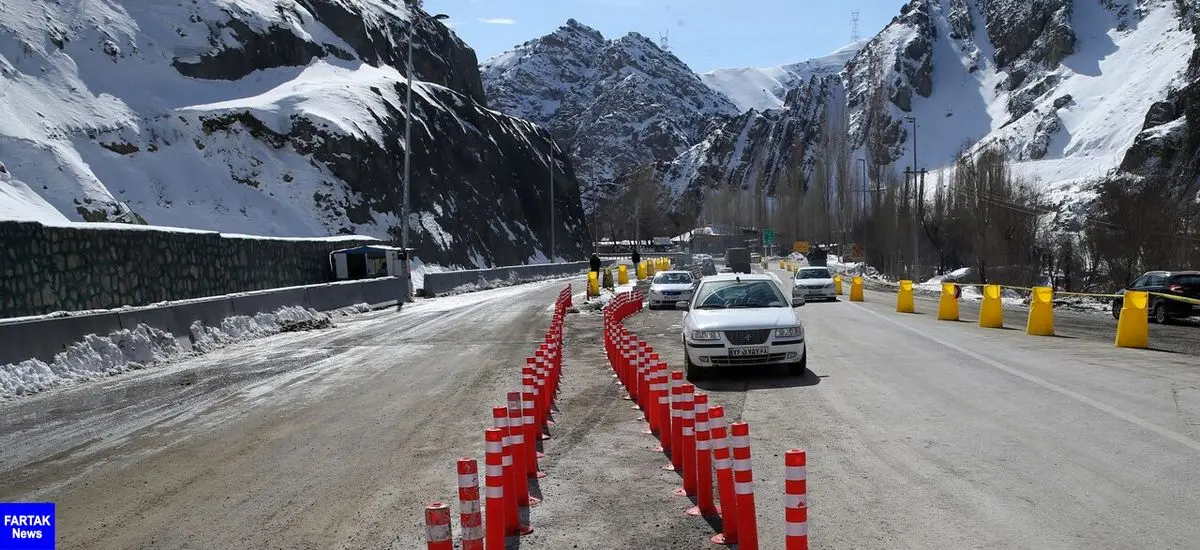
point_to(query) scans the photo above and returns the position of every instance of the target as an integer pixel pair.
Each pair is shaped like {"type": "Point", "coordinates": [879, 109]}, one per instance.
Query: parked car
{"type": "Point", "coordinates": [814, 283]}
{"type": "Point", "coordinates": [742, 320]}
{"type": "Point", "coordinates": [669, 287]}
{"type": "Point", "coordinates": [1185, 284]}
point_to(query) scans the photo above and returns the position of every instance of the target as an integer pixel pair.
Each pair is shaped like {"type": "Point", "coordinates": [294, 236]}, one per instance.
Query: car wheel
{"type": "Point", "coordinates": [690, 371]}
{"type": "Point", "coordinates": [798, 368]}
{"type": "Point", "coordinates": [1160, 313]}
{"type": "Point", "coordinates": [1116, 310]}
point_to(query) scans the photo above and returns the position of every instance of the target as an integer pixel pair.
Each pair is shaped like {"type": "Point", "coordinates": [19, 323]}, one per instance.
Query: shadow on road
{"type": "Point", "coordinates": [765, 380]}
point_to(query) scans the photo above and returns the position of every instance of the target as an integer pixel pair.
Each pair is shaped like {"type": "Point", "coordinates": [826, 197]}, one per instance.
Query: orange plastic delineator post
{"type": "Point", "coordinates": [468, 503]}
{"type": "Point", "coordinates": [688, 431]}
{"type": "Point", "coordinates": [500, 422]}
{"type": "Point", "coordinates": [494, 479]}
{"type": "Point", "coordinates": [743, 485]}
{"type": "Point", "coordinates": [795, 499]}
{"type": "Point", "coordinates": [676, 422]}
{"type": "Point", "coordinates": [664, 408]}
{"type": "Point", "coordinates": [437, 527]}
{"type": "Point", "coordinates": [704, 481]}
{"type": "Point", "coordinates": [725, 491]}
{"type": "Point", "coordinates": [516, 423]}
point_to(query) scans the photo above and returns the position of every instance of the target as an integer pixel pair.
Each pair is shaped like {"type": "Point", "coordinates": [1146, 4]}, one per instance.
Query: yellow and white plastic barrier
{"type": "Point", "coordinates": [856, 289]}
{"type": "Point", "coordinates": [593, 288]}
{"type": "Point", "coordinates": [904, 300]}
{"type": "Point", "coordinates": [1133, 327]}
{"type": "Point", "coordinates": [948, 305]}
{"type": "Point", "coordinates": [991, 310]}
{"type": "Point", "coordinates": [641, 270]}
{"type": "Point", "coordinates": [622, 275]}
{"type": "Point", "coordinates": [837, 285]}
{"type": "Point", "coordinates": [1041, 312]}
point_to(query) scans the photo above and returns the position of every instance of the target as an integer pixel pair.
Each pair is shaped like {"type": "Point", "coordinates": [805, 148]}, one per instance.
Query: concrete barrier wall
{"type": "Point", "coordinates": [43, 338]}
{"type": "Point", "coordinates": [446, 281]}
{"type": "Point", "coordinates": [44, 269]}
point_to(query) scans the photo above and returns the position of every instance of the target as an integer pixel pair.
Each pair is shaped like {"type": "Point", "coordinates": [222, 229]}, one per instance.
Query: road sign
{"type": "Point", "coordinates": [769, 237]}
{"type": "Point", "coordinates": [800, 247]}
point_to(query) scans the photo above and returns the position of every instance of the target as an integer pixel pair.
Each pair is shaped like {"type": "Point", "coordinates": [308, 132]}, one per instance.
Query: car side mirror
{"type": "Point", "coordinates": [682, 306]}
{"type": "Point", "coordinates": [797, 301]}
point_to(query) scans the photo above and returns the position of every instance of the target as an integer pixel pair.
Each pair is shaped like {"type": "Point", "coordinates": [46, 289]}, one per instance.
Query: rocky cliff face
{"type": "Point", "coordinates": [271, 117]}
{"type": "Point", "coordinates": [613, 103]}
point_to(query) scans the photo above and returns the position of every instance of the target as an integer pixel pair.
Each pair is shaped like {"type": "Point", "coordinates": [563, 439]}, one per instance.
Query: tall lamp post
{"type": "Point", "coordinates": [412, 27]}
{"type": "Point", "coordinates": [550, 162]}
{"type": "Point", "coordinates": [916, 205]}
{"type": "Point", "coordinates": [865, 189]}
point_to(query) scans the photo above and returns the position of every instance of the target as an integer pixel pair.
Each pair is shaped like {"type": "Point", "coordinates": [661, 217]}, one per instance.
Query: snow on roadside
{"type": "Point", "coordinates": [144, 346]}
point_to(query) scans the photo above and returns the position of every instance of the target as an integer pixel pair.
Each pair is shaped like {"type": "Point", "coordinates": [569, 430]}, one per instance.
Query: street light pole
{"type": "Point", "coordinates": [865, 187]}
{"type": "Point", "coordinates": [550, 162]}
{"type": "Point", "coordinates": [916, 206]}
{"type": "Point", "coordinates": [404, 213]}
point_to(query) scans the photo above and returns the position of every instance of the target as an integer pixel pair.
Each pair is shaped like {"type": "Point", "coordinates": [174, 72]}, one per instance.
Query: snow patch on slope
{"type": "Point", "coordinates": [765, 88]}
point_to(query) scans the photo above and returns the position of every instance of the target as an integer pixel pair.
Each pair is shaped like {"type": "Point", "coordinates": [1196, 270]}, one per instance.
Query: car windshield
{"type": "Point", "coordinates": [740, 294]}
{"type": "Point", "coordinates": [673, 279]}
{"type": "Point", "coordinates": [820, 273]}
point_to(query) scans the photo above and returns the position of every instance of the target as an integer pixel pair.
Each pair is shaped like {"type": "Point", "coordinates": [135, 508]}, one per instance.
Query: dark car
{"type": "Point", "coordinates": [1185, 284]}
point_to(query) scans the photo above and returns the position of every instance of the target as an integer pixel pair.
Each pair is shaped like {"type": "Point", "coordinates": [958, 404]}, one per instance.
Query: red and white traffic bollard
{"type": "Point", "coordinates": [743, 485]}
{"type": "Point", "coordinates": [468, 504]}
{"type": "Point", "coordinates": [725, 492]}
{"type": "Point", "coordinates": [688, 432]}
{"type": "Point", "coordinates": [676, 422]}
{"type": "Point", "coordinates": [704, 481]}
{"type": "Point", "coordinates": [494, 491]}
{"type": "Point", "coordinates": [512, 516]}
{"type": "Point", "coordinates": [795, 499]}
{"type": "Point", "coordinates": [516, 423]}
{"type": "Point", "coordinates": [529, 419]}
{"type": "Point", "coordinates": [662, 406]}
{"type": "Point", "coordinates": [437, 527]}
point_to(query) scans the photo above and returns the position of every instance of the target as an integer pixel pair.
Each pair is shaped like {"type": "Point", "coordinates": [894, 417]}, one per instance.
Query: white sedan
{"type": "Point", "coordinates": [814, 283]}
{"type": "Point", "coordinates": [740, 320]}
{"type": "Point", "coordinates": [669, 287]}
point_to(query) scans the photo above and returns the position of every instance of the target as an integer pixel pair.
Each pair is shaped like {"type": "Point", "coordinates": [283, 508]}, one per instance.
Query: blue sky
{"type": "Point", "coordinates": [705, 34]}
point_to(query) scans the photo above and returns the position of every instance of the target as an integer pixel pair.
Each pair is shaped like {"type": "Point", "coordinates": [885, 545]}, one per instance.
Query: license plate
{"type": "Point", "coordinates": [748, 352]}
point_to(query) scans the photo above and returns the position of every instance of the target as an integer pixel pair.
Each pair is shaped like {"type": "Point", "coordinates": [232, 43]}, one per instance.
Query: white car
{"type": "Point", "coordinates": [813, 283]}
{"type": "Point", "coordinates": [669, 287]}
{"type": "Point", "coordinates": [741, 320]}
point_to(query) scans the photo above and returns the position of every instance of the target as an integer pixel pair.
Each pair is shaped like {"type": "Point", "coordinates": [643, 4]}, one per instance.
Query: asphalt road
{"type": "Point", "coordinates": [334, 438]}
{"type": "Point", "coordinates": [925, 434]}
{"type": "Point", "coordinates": [920, 434]}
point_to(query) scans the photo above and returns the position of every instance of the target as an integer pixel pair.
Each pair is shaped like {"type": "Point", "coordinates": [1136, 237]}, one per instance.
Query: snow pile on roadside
{"type": "Point", "coordinates": [94, 357]}
{"type": "Point", "coordinates": [241, 327]}
{"type": "Point", "coordinates": [144, 346]}
{"type": "Point", "coordinates": [512, 280]}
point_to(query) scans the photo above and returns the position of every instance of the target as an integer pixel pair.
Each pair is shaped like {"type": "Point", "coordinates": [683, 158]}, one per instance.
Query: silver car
{"type": "Point", "coordinates": [669, 287]}
{"type": "Point", "coordinates": [814, 283]}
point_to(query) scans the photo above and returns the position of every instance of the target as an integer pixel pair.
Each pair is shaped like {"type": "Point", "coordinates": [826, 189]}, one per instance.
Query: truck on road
{"type": "Point", "coordinates": [738, 259]}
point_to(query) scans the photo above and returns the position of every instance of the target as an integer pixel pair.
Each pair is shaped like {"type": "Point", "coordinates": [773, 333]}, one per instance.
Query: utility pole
{"type": "Point", "coordinates": [865, 189]}
{"type": "Point", "coordinates": [919, 198]}
{"type": "Point", "coordinates": [550, 163]}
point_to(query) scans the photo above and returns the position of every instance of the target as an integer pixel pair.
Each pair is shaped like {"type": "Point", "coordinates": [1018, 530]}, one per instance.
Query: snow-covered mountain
{"type": "Point", "coordinates": [766, 88]}
{"type": "Point", "coordinates": [269, 117]}
{"type": "Point", "coordinates": [1074, 91]}
{"type": "Point", "coordinates": [1063, 86]}
{"type": "Point", "coordinates": [613, 103]}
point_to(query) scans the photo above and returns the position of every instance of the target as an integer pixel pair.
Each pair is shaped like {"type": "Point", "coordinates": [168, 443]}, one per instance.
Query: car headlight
{"type": "Point", "coordinates": [789, 332]}
{"type": "Point", "coordinates": [705, 335]}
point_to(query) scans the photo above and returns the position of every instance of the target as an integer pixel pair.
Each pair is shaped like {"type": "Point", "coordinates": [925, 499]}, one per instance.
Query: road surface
{"type": "Point", "coordinates": [920, 434]}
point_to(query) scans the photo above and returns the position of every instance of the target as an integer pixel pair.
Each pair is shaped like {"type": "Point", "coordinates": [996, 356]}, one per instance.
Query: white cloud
{"type": "Point", "coordinates": [498, 21]}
